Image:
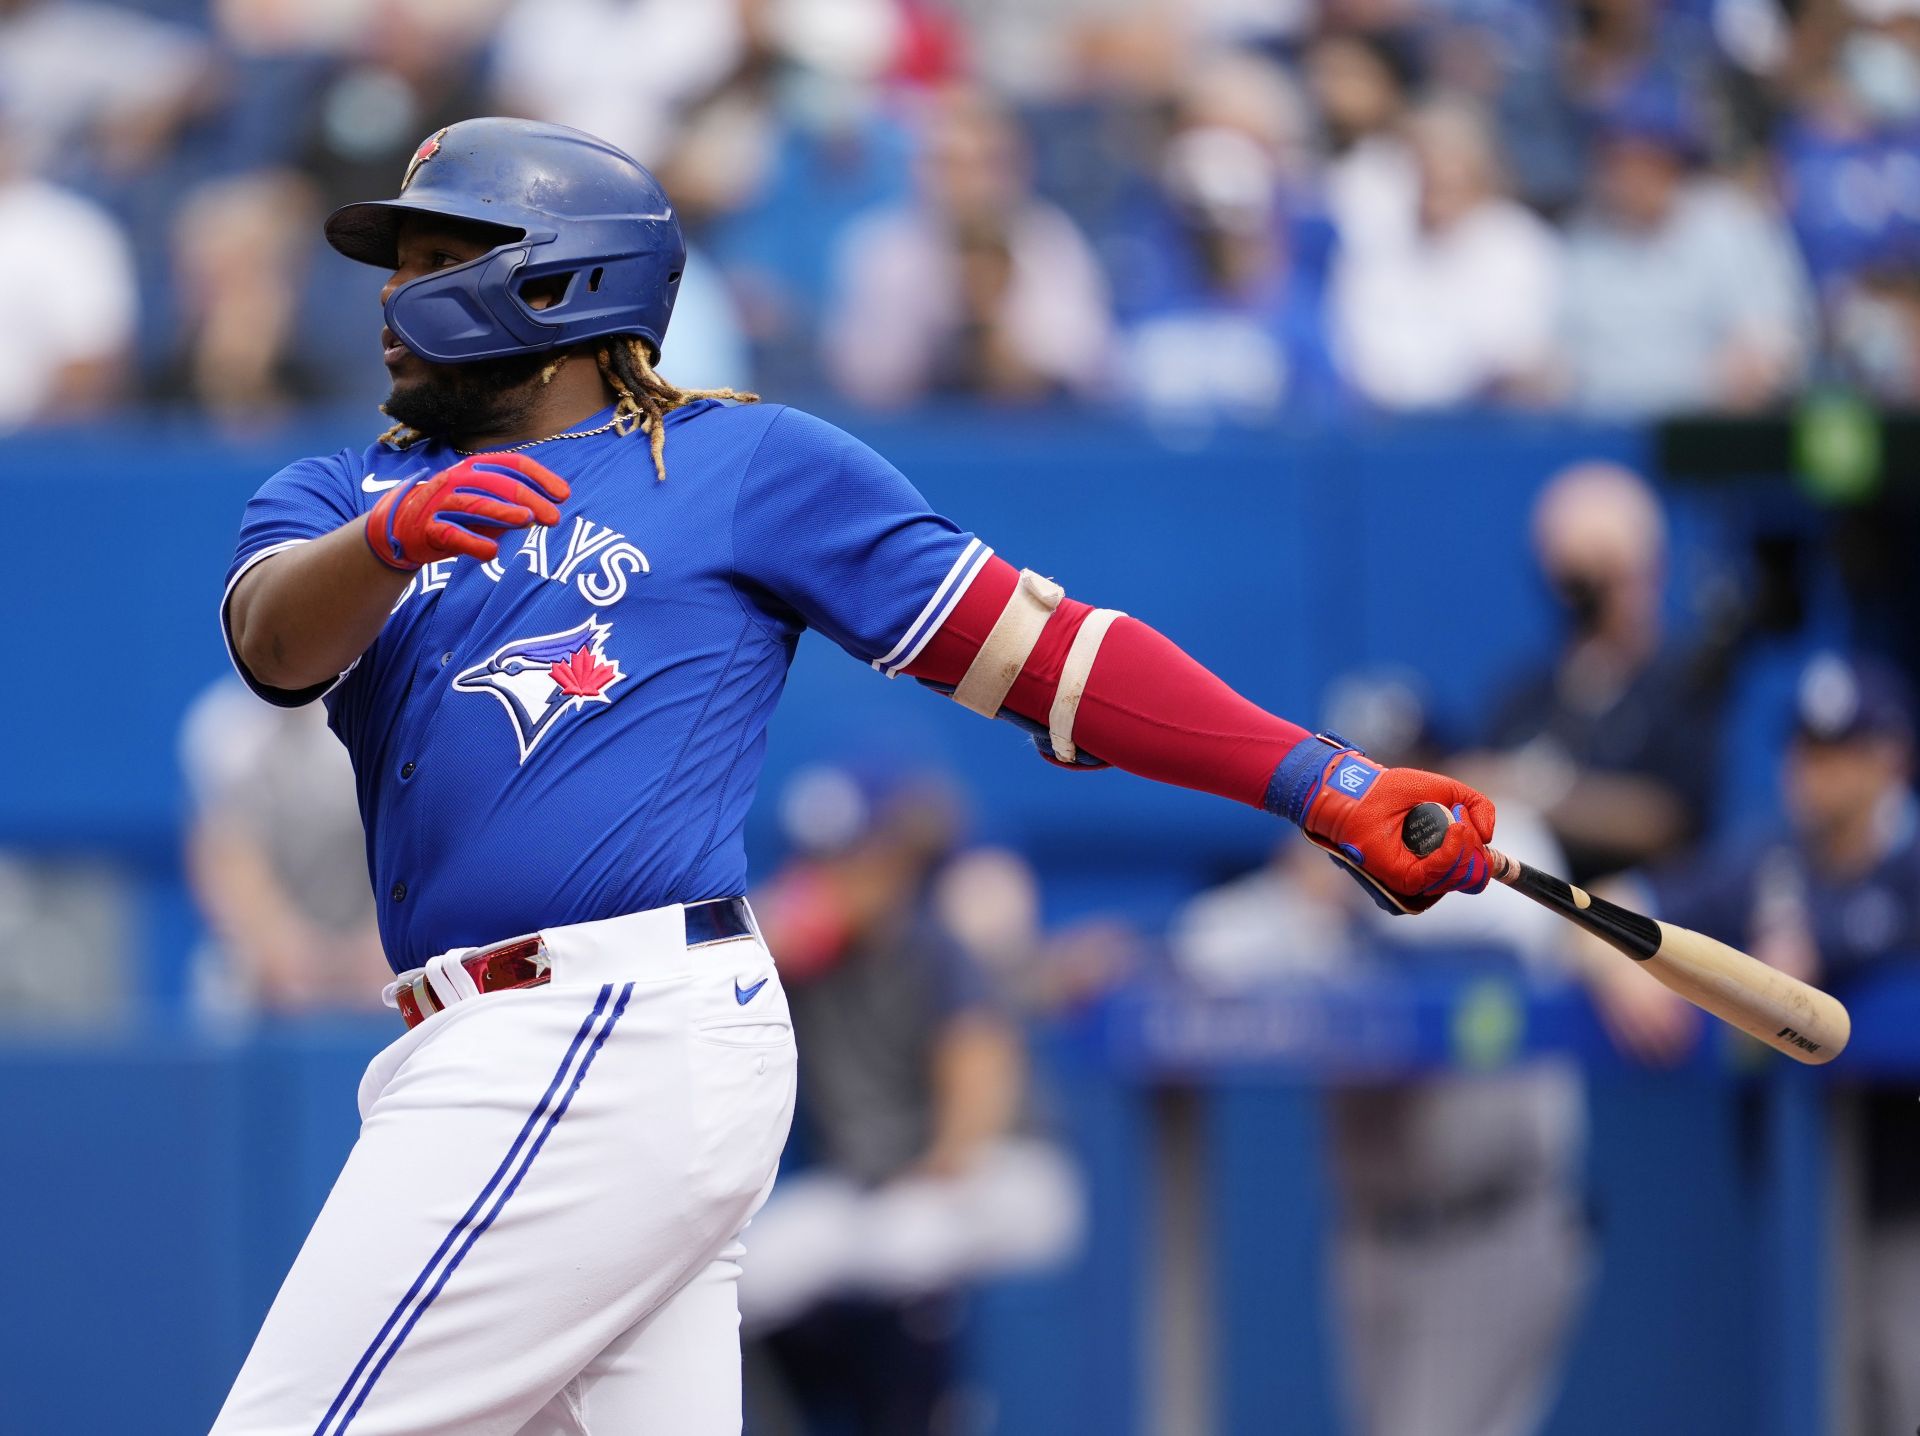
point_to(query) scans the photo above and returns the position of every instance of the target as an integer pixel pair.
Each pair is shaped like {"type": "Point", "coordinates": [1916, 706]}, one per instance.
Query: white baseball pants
{"type": "Point", "coordinates": [536, 1230]}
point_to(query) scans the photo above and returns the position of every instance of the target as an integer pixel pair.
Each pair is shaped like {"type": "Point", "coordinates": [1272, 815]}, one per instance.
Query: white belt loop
{"type": "Point", "coordinates": [449, 980]}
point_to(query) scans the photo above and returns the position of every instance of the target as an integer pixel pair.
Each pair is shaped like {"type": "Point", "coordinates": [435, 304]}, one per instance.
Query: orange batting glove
{"type": "Point", "coordinates": [462, 510]}
{"type": "Point", "coordinates": [1354, 808]}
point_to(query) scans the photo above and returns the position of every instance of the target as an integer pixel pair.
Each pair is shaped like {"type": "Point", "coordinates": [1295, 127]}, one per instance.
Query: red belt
{"type": "Point", "coordinates": [523, 961]}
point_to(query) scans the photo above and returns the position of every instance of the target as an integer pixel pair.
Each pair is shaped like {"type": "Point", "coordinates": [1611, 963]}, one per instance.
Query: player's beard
{"type": "Point", "coordinates": [476, 400]}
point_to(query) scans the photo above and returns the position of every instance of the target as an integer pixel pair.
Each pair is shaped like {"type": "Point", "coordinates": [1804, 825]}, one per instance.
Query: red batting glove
{"type": "Point", "coordinates": [462, 510]}
{"type": "Point", "coordinates": [1351, 806]}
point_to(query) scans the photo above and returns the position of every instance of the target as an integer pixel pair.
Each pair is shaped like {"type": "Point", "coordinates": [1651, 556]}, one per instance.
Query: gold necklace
{"type": "Point", "coordinates": [516, 448]}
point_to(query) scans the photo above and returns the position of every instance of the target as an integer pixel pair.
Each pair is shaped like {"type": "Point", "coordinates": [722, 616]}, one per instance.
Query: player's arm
{"type": "Point", "coordinates": [299, 618]}
{"type": "Point", "coordinates": [1098, 688]}
{"type": "Point", "coordinates": [978, 1078]}
{"type": "Point", "coordinates": [828, 530]}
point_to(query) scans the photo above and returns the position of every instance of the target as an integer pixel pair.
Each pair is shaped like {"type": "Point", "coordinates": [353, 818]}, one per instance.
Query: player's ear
{"type": "Point", "coordinates": [544, 292]}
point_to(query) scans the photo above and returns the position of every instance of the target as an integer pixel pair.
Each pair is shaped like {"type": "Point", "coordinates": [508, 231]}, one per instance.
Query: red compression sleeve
{"type": "Point", "coordinates": [1148, 707]}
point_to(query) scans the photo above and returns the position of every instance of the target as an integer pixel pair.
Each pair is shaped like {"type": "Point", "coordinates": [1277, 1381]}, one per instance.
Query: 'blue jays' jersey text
{"type": "Point", "coordinates": [574, 730]}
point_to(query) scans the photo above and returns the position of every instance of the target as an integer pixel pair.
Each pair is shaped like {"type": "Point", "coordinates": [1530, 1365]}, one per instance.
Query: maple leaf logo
{"type": "Point", "coordinates": [582, 675]}
{"type": "Point", "coordinates": [429, 147]}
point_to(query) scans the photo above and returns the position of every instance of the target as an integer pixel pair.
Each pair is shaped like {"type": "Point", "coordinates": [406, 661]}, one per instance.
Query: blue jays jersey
{"type": "Point", "coordinates": [574, 730]}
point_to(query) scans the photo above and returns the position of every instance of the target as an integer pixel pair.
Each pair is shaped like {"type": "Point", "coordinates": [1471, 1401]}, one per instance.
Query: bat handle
{"type": "Point", "coordinates": [1424, 828]}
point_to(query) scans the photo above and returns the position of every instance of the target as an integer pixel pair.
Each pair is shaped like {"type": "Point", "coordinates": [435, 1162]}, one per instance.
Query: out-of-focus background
{"type": "Point", "coordinates": [1526, 387]}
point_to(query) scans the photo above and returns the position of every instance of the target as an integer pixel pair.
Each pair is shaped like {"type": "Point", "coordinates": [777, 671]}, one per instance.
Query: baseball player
{"type": "Point", "coordinates": [550, 612]}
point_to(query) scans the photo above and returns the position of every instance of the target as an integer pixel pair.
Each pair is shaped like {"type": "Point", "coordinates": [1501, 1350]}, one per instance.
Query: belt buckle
{"type": "Point", "coordinates": [415, 1000]}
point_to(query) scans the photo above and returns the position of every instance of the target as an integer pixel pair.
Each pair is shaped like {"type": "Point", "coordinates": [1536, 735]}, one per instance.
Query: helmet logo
{"type": "Point", "coordinates": [428, 149]}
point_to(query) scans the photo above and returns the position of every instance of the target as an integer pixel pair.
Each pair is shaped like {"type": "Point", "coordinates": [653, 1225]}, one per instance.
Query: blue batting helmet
{"type": "Point", "coordinates": [567, 205]}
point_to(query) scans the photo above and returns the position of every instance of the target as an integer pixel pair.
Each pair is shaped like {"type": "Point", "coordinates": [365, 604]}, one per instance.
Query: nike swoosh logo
{"type": "Point", "coordinates": [379, 486]}
{"type": "Point", "coordinates": [744, 995]}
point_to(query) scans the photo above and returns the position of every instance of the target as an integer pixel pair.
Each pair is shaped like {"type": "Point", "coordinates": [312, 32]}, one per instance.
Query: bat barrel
{"type": "Point", "coordinates": [1788, 1015]}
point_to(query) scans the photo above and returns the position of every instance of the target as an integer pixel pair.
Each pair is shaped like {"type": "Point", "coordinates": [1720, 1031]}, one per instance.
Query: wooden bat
{"type": "Point", "coordinates": [1789, 1016]}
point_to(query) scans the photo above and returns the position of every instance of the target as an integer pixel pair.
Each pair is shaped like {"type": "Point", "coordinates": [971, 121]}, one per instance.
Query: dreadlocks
{"type": "Point", "coordinates": [645, 398]}
{"type": "Point", "coordinates": [642, 398]}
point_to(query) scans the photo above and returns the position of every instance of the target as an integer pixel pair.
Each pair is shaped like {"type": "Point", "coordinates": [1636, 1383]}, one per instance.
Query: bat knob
{"type": "Point", "coordinates": [1425, 827]}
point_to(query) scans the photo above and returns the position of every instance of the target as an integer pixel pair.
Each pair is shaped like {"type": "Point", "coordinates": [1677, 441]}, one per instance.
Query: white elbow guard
{"type": "Point", "coordinates": [1073, 680]}
{"type": "Point", "coordinates": [1010, 643]}
{"type": "Point", "coordinates": [988, 678]}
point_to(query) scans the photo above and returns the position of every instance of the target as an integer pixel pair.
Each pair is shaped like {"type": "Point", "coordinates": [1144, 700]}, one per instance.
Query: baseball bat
{"type": "Point", "coordinates": [1788, 1015]}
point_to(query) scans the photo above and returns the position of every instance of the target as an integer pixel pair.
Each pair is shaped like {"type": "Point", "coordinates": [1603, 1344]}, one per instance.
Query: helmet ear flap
{"type": "Point", "coordinates": [471, 311]}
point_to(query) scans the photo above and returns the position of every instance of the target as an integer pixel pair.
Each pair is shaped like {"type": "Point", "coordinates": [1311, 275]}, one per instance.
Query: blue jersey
{"type": "Point", "coordinates": [574, 730]}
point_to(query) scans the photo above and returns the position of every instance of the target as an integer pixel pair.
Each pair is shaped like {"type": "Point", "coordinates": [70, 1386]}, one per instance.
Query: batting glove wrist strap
{"type": "Point", "coordinates": [1297, 781]}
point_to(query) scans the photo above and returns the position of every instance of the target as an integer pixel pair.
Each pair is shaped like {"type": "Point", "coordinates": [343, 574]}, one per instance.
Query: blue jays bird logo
{"type": "Point", "coordinates": [538, 680]}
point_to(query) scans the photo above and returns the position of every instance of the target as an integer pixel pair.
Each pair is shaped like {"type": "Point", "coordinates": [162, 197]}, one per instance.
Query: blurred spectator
{"type": "Point", "coordinates": [1875, 327]}
{"type": "Point", "coordinates": [1041, 52]}
{"type": "Point", "coordinates": [342, 27]}
{"type": "Point", "coordinates": [1847, 168]}
{"type": "Point", "coordinates": [241, 251]}
{"type": "Point", "coordinates": [988, 900]}
{"type": "Point", "coordinates": [771, 164]}
{"type": "Point", "coordinates": [1226, 312]}
{"type": "Point", "coordinates": [1456, 1193]}
{"type": "Point", "coordinates": [1504, 54]}
{"type": "Point", "coordinates": [1682, 292]}
{"type": "Point", "coordinates": [1616, 739]}
{"type": "Point", "coordinates": [709, 346]}
{"type": "Point", "coordinates": [69, 930]}
{"type": "Point", "coordinates": [977, 287]}
{"type": "Point", "coordinates": [623, 69]}
{"type": "Point", "coordinates": [1613, 46]}
{"type": "Point", "coordinates": [67, 294]}
{"type": "Point", "coordinates": [1449, 298]}
{"type": "Point", "coordinates": [276, 860]}
{"type": "Point", "coordinates": [1362, 87]}
{"type": "Point", "coordinates": [410, 70]}
{"type": "Point", "coordinates": [928, 1175]}
{"type": "Point", "coordinates": [96, 88]}
{"type": "Point", "coordinates": [267, 313]}
{"type": "Point", "coordinates": [1833, 898]}
{"type": "Point", "coordinates": [348, 77]}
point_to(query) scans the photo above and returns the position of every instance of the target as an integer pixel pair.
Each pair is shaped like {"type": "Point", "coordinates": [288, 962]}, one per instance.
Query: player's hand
{"type": "Point", "coordinates": [462, 511]}
{"type": "Point", "coordinates": [1646, 1020]}
{"type": "Point", "coordinates": [1353, 807]}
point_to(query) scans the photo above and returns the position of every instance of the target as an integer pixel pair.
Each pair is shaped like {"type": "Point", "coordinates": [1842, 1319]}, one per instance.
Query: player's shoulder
{"type": "Point", "coordinates": [323, 473]}
{"type": "Point", "coordinates": [794, 438]}
{"type": "Point", "coordinates": [775, 438]}
{"type": "Point", "coordinates": [371, 469]}
{"type": "Point", "coordinates": [720, 419]}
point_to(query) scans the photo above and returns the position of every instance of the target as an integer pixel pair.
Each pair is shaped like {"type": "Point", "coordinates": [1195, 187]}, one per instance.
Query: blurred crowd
{"type": "Point", "coordinates": [1245, 207]}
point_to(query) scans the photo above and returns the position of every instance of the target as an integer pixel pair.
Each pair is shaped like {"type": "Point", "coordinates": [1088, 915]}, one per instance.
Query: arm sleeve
{"type": "Point", "coordinates": [1148, 708]}
{"type": "Point", "coordinates": [830, 535]}
{"type": "Point", "coordinates": [305, 500]}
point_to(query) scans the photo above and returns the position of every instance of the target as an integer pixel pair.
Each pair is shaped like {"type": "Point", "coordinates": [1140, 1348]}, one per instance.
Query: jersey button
{"type": "Point", "coordinates": [406, 770]}
{"type": "Point", "coordinates": [399, 892]}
